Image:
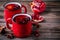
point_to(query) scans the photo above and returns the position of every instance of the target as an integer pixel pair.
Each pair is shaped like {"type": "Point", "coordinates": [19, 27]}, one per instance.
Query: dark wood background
{"type": "Point", "coordinates": [49, 28]}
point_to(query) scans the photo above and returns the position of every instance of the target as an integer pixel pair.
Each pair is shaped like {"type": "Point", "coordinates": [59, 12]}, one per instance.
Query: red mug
{"type": "Point", "coordinates": [21, 25]}
{"type": "Point", "coordinates": [11, 9]}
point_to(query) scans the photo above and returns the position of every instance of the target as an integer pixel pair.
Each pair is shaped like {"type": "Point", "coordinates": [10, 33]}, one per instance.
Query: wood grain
{"type": "Point", "coordinates": [49, 28]}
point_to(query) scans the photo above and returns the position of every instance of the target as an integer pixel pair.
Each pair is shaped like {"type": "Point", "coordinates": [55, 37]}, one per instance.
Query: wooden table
{"type": "Point", "coordinates": [49, 28]}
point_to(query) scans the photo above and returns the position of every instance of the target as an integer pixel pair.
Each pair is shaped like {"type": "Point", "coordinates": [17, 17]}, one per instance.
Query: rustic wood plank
{"type": "Point", "coordinates": [49, 25]}
{"type": "Point", "coordinates": [52, 6]}
{"type": "Point", "coordinates": [45, 25]}
{"type": "Point", "coordinates": [46, 20]}
{"type": "Point", "coordinates": [44, 14]}
{"type": "Point", "coordinates": [25, 0]}
{"type": "Point", "coordinates": [52, 20]}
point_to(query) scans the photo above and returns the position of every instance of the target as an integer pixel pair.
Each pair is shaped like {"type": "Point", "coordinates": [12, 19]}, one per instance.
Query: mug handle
{"type": "Point", "coordinates": [7, 24]}
{"type": "Point", "coordinates": [25, 9]}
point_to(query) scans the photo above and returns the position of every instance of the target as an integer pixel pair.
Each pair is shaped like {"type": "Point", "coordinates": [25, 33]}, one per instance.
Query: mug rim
{"type": "Point", "coordinates": [13, 3]}
{"type": "Point", "coordinates": [21, 14]}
